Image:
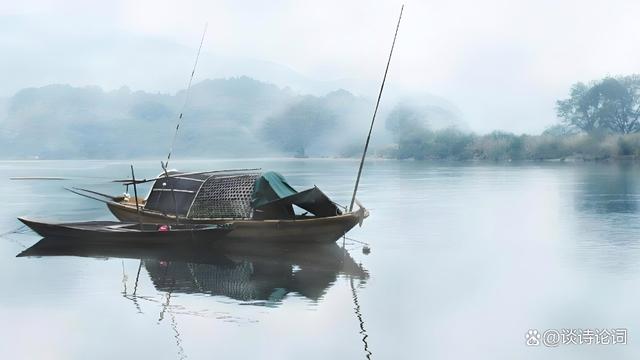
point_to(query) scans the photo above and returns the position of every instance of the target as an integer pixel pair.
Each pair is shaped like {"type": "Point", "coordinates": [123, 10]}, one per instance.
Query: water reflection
{"type": "Point", "coordinates": [610, 188]}
{"type": "Point", "coordinates": [250, 273]}
{"type": "Point", "coordinates": [260, 274]}
{"type": "Point", "coordinates": [441, 249]}
{"type": "Point", "coordinates": [605, 223]}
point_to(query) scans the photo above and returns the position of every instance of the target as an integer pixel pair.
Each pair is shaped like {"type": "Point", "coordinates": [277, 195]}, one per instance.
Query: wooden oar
{"type": "Point", "coordinates": [38, 178]}
{"type": "Point", "coordinates": [89, 196]}
{"type": "Point", "coordinates": [127, 181]}
{"type": "Point", "coordinates": [95, 192]}
{"type": "Point", "coordinates": [57, 178]}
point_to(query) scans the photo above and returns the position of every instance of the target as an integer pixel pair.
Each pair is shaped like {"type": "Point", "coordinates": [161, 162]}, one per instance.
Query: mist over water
{"type": "Point", "coordinates": [234, 117]}
{"type": "Point", "coordinates": [511, 209]}
{"type": "Point", "coordinates": [465, 259]}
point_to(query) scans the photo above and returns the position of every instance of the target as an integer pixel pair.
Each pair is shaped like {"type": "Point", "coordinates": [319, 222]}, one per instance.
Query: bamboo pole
{"type": "Point", "coordinates": [366, 145]}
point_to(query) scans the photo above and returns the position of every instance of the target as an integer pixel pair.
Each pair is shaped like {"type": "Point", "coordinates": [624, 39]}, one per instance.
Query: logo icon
{"type": "Point", "coordinates": [532, 337]}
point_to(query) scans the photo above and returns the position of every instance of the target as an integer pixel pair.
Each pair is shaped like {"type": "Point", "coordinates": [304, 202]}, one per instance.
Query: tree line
{"type": "Point", "coordinates": [234, 117]}
{"type": "Point", "coordinates": [610, 105]}
{"type": "Point", "coordinates": [599, 120]}
{"type": "Point", "coordinates": [244, 117]}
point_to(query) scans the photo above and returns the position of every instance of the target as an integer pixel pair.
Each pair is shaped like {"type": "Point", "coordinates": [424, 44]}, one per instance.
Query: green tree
{"type": "Point", "coordinates": [299, 125]}
{"type": "Point", "coordinates": [404, 120]}
{"type": "Point", "coordinates": [609, 105]}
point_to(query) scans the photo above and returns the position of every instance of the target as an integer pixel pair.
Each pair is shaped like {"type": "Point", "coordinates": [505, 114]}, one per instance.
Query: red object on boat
{"type": "Point", "coordinates": [163, 228]}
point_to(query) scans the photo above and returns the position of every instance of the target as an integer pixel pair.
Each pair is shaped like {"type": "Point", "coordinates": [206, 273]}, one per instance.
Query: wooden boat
{"type": "Point", "coordinates": [257, 206]}
{"type": "Point", "coordinates": [302, 229]}
{"type": "Point", "coordinates": [114, 231]}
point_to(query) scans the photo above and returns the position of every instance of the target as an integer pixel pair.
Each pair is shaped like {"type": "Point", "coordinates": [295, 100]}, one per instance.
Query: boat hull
{"type": "Point", "coordinates": [315, 230]}
{"type": "Point", "coordinates": [117, 232]}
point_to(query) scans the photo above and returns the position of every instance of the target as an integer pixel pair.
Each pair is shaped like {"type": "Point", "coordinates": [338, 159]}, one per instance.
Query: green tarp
{"type": "Point", "coordinates": [273, 198]}
{"type": "Point", "coordinates": [269, 187]}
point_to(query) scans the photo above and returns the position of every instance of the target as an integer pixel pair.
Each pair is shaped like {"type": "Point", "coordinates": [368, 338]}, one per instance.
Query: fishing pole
{"type": "Point", "coordinates": [186, 99]}
{"type": "Point", "coordinates": [135, 194]}
{"type": "Point", "coordinates": [165, 165]}
{"type": "Point", "coordinates": [173, 193]}
{"type": "Point", "coordinates": [366, 145]}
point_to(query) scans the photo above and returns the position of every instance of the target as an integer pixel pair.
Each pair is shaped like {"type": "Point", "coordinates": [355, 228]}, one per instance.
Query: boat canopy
{"type": "Point", "coordinates": [273, 198]}
{"type": "Point", "coordinates": [235, 194]}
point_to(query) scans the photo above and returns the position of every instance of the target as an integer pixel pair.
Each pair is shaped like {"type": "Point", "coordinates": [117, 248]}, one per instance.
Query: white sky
{"type": "Point", "coordinates": [502, 63]}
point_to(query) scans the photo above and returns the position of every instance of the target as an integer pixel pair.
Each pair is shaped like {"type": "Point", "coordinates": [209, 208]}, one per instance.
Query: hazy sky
{"type": "Point", "coordinates": [502, 63]}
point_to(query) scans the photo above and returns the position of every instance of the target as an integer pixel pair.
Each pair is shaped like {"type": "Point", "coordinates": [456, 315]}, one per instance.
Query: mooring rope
{"type": "Point", "coordinates": [19, 230]}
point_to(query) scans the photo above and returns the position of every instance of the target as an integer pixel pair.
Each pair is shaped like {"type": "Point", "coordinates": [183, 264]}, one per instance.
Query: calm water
{"type": "Point", "coordinates": [465, 259]}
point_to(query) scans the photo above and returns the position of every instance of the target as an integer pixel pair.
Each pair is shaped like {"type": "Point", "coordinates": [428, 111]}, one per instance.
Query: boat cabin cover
{"type": "Point", "coordinates": [235, 194]}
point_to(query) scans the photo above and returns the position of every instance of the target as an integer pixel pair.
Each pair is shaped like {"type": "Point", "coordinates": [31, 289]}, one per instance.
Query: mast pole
{"type": "Point", "coordinates": [186, 99]}
{"type": "Point", "coordinates": [135, 192]}
{"type": "Point", "coordinates": [165, 165]}
{"type": "Point", "coordinates": [366, 145]}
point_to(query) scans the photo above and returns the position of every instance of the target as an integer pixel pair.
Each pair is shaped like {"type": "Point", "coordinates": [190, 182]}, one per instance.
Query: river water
{"type": "Point", "coordinates": [465, 260]}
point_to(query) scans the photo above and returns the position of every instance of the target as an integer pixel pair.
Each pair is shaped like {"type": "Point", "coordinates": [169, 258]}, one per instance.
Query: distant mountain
{"type": "Point", "coordinates": [233, 117]}
{"type": "Point", "coordinates": [223, 118]}
{"type": "Point", "coordinates": [112, 58]}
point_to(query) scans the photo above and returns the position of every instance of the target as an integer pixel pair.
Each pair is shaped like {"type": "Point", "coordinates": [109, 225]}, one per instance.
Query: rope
{"type": "Point", "coordinates": [359, 242]}
{"type": "Point", "coordinates": [19, 230]}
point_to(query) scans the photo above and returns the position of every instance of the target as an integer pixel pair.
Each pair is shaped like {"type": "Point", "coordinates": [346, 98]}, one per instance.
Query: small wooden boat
{"type": "Point", "coordinates": [258, 206]}
{"type": "Point", "coordinates": [113, 231]}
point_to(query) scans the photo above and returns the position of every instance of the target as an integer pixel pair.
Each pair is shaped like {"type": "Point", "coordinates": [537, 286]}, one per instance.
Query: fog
{"type": "Point", "coordinates": [501, 64]}
{"type": "Point", "coordinates": [233, 117]}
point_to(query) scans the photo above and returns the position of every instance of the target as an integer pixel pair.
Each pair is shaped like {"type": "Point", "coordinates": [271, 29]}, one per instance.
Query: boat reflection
{"type": "Point", "coordinates": [261, 274]}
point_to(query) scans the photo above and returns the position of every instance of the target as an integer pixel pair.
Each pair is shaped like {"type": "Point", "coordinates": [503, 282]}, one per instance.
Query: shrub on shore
{"type": "Point", "coordinates": [453, 144]}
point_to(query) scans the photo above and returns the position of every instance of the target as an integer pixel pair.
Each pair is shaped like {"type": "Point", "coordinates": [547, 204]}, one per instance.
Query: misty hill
{"type": "Point", "coordinates": [224, 118]}
{"type": "Point", "coordinates": [112, 57]}
{"type": "Point", "coordinates": [235, 117]}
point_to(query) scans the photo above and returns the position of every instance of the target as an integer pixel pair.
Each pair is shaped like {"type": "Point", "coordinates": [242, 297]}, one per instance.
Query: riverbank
{"type": "Point", "coordinates": [452, 144]}
{"type": "Point", "coordinates": [455, 145]}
